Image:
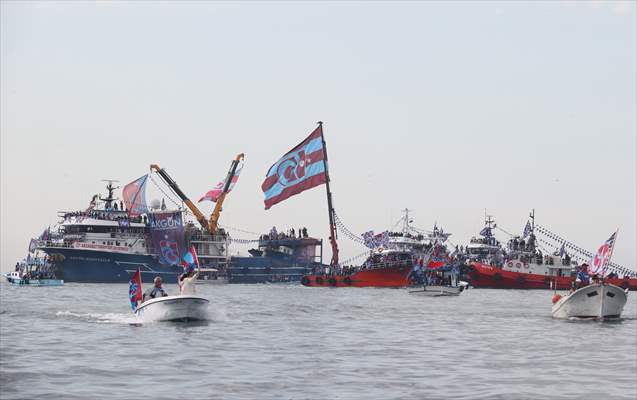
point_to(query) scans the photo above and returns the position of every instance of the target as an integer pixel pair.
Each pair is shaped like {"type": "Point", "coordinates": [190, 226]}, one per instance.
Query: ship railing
{"type": "Point", "coordinates": [198, 237]}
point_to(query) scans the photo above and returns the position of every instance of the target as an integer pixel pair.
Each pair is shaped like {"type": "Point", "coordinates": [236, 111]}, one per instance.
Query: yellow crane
{"type": "Point", "coordinates": [214, 217]}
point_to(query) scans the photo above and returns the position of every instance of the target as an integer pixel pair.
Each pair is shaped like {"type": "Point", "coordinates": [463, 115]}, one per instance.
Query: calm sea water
{"type": "Point", "coordinates": [292, 342]}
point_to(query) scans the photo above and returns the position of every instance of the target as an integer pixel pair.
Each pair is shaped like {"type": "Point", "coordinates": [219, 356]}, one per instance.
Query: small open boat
{"type": "Point", "coordinates": [173, 308]}
{"type": "Point", "coordinates": [599, 301]}
{"type": "Point", "coordinates": [441, 290]}
{"type": "Point", "coordinates": [18, 279]}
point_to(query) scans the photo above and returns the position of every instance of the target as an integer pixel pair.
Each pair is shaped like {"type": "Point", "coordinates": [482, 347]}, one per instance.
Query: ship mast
{"type": "Point", "coordinates": [406, 222]}
{"type": "Point", "coordinates": [107, 201]}
{"type": "Point", "coordinates": [330, 208]}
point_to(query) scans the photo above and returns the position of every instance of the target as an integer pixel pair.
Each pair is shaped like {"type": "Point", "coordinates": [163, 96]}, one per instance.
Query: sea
{"type": "Point", "coordinates": [286, 341]}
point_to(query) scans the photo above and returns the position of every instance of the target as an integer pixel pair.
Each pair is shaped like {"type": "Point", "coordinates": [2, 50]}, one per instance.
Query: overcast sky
{"type": "Point", "coordinates": [445, 108]}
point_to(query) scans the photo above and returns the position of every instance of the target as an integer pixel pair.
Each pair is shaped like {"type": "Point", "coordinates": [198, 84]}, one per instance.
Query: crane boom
{"type": "Point", "coordinates": [173, 185]}
{"type": "Point", "coordinates": [214, 217]}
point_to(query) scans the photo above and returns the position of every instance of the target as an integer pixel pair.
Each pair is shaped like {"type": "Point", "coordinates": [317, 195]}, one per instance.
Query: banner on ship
{"type": "Point", "coordinates": [167, 233]}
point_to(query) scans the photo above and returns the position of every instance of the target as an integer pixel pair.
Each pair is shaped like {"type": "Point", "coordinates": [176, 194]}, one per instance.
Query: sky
{"type": "Point", "coordinates": [447, 108]}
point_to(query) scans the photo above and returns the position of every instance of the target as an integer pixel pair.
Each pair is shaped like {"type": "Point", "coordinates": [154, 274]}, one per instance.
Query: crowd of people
{"type": "Point", "coordinates": [301, 233]}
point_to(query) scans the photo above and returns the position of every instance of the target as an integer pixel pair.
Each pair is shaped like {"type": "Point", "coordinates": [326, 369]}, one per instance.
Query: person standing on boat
{"type": "Point", "coordinates": [155, 291]}
{"type": "Point", "coordinates": [187, 280]}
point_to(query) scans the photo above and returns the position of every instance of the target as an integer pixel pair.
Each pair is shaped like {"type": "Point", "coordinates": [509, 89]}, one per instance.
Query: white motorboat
{"type": "Point", "coordinates": [173, 308]}
{"type": "Point", "coordinates": [599, 300]}
{"type": "Point", "coordinates": [441, 290]}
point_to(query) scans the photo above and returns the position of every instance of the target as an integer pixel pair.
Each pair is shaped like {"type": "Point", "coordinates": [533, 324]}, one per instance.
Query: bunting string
{"type": "Point", "coordinates": [579, 253]}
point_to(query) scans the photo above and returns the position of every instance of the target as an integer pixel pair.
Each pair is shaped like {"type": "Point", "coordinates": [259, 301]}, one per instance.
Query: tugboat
{"type": "Point", "coordinates": [389, 264]}
{"type": "Point", "coordinates": [389, 268]}
{"type": "Point", "coordinates": [522, 265]}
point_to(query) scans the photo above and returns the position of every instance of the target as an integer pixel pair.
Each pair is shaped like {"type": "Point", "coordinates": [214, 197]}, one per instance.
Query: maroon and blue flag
{"type": "Point", "coordinates": [135, 289]}
{"type": "Point", "coordinates": [300, 169]}
{"type": "Point", "coordinates": [190, 260]}
{"type": "Point", "coordinates": [134, 195]}
{"type": "Point", "coordinates": [215, 193]}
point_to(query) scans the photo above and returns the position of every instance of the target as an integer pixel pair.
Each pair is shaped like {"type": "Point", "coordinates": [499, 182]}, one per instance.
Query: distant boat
{"type": "Point", "coordinates": [521, 265]}
{"type": "Point", "coordinates": [277, 258]}
{"type": "Point", "coordinates": [18, 279]}
{"type": "Point", "coordinates": [599, 301]}
{"type": "Point", "coordinates": [440, 290]}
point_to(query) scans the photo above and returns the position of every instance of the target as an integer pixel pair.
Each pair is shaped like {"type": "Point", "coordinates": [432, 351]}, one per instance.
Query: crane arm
{"type": "Point", "coordinates": [214, 217]}
{"type": "Point", "coordinates": [173, 185]}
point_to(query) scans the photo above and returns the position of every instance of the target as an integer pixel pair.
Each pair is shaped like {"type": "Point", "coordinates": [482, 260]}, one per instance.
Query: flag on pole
{"type": "Point", "coordinates": [134, 195]}
{"type": "Point", "coordinates": [563, 250]}
{"type": "Point", "coordinates": [300, 169]}
{"type": "Point", "coordinates": [33, 245]}
{"type": "Point", "coordinates": [486, 231]}
{"type": "Point", "coordinates": [190, 259]}
{"type": "Point", "coordinates": [214, 194]}
{"type": "Point", "coordinates": [599, 260]}
{"type": "Point", "coordinates": [527, 230]}
{"type": "Point", "coordinates": [135, 289]}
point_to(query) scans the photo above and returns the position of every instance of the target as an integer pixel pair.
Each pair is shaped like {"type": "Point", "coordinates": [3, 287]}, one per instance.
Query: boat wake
{"type": "Point", "coordinates": [108, 318]}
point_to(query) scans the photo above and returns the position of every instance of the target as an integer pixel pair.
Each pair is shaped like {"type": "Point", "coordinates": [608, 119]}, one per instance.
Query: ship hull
{"type": "Point", "coordinates": [486, 276]}
{"type": "Point", "coordinates": [266, 270]}
{"type": "Point", "coordinates": [598, 301]}
{"type": "Point", "coordinates": [90, 266]}
{"type": "Point", "coordinates": [395, 276]}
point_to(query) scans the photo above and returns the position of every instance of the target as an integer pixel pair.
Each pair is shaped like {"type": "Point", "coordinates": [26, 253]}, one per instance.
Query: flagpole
{"type": "Point", "coordinates": [330, 208]}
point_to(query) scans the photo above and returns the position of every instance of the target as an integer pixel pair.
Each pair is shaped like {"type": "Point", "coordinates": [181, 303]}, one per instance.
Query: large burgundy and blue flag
{"type": "Point", "coordinates": [135, 290]}
{"type": "Point", "coordinates": [134, 195]}
{"type": "Point", "coordinates": [300, 169]}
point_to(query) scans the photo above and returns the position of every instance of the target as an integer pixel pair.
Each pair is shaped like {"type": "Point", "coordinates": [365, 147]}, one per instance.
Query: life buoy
{"type": "Point", "coordinates": [318, 280]}
{"type": "Point", "coordinates": [332, 281]}
{"type": "Point", "coordinates": [510, 264]}
{"type": "Point", "coordinates": [347, 280]}
{"type": "Point", "coordinates": [305, 281]}
{"type": "Point", "coordinates": [526, 266]}
{"type": "Point", "coordinates": [518, 265]}
{"type": "Point", "coordinates": [556, 298]}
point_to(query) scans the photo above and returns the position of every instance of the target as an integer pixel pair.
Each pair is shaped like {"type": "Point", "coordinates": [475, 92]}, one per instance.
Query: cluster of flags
{"type": "Point", "coordinates": [376, 241]}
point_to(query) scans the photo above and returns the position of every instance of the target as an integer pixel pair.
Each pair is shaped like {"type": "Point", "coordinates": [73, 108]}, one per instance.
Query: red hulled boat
{"type": "Point", "coordinates": [393, 272]}
{"type": "Point", "coordinates": [522, 265]}
{"type": "Point", "coordinates": [488, 276]}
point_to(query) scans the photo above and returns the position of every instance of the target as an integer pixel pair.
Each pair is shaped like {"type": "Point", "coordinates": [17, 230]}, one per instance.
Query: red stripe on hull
{"type": "Point", "coordinates": [492, 277]}
{"type": "Point", "coordinates": [377, 277]}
